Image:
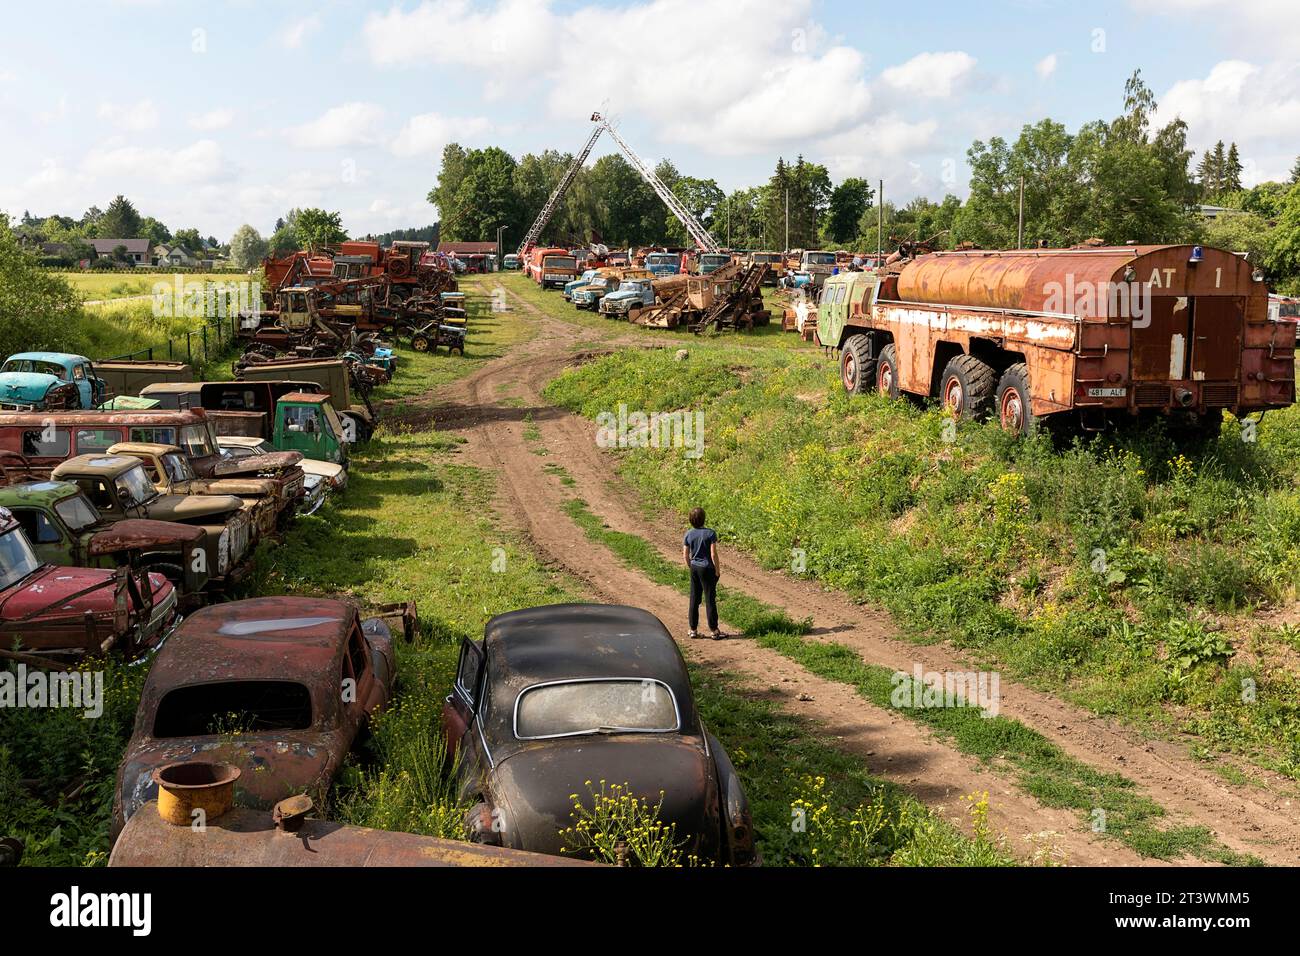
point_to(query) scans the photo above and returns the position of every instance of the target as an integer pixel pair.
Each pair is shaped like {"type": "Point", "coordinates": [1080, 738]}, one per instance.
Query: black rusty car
{"type": "Point", "coordinates": [555, 697]}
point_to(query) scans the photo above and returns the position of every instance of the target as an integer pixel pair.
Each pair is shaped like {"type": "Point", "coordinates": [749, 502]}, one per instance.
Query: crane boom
{"type": "Point", "coordinates": [557, 194]}
{"type": "Point", "coordinates": [698, 233]}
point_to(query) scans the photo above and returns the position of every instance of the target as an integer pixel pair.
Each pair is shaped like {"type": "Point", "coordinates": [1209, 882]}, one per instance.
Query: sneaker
{"type": "Point", "coordinates": [717, 635]}
{"type": "Point", "coordinates": [692, 634]}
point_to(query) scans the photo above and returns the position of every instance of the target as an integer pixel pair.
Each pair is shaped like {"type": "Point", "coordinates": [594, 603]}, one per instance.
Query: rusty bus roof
{"type": "Point", "coordinates": [273, 638]}
{"type": "Point", "coordinates": [183, 416]}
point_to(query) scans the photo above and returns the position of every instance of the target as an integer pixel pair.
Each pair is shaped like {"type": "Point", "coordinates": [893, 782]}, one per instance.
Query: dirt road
{"type": "Point", "coordinates": [491, 409]}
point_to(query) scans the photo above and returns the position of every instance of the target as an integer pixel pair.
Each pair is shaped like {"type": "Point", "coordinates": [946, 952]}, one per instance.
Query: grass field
{"type": "Point", "coordinates": [98, 286]}
{"type": "Point", "coordinates": [1134, 577]}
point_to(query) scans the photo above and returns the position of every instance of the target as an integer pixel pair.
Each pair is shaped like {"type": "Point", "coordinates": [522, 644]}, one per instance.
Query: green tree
{"type": "Point", "coordinates": [316, 229]}
{"type": "Point", "coordinates": [38, 309]}
{"type": "Point", "coordinates": [247, 247]}
{"type": "Point", "coordinates": [702, 197]}
{"type": "Point", "coordinates": [190, 239]}
{"type": "Point", "coordinates": [849, 201]}
{"type": "Point", "coordinates": [443, 195]}
{"type": "Point", "coordinates": [119, 221]}
{"type": "Point", "coordinates": [154, 231]}
{"type": "Point", "coordinates": [285, 238]}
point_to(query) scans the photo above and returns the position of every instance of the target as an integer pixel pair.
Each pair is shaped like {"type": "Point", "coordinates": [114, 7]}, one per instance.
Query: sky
{"type": "Point", "coordinates": [209, 114]}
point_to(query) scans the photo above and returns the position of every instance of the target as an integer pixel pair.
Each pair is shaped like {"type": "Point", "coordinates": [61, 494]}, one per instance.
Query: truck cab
{"type": "Point", "coordinates": [712, 261]}
{"type": "Point", "coordinates": [632, 293]}
{"type": "Point", "coordinates": [664, 263]}
{"type": "Point", "coordinates": [582, 280]}
{"type": "Point", "coordinates": [35, 381]}
{"type": "Point", "coordinates": [818, 264]}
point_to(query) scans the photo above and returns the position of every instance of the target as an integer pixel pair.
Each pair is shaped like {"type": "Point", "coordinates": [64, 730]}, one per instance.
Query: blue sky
{"type": "Point", "coordinates": [211, 114]}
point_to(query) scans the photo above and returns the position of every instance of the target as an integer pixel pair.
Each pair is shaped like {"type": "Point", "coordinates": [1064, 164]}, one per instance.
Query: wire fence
{"type": "Point", "coordinates": [210, 340]}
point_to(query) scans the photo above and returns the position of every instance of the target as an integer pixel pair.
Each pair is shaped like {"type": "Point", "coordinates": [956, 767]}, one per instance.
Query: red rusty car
{"type": "Point", "coordinates": [280, 687]}
{"type": "Point", "coordinates": [60, 612]}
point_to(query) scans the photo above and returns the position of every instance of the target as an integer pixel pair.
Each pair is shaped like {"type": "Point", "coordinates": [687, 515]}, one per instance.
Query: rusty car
{"type": "Point", "coordinates": [56, 612]}
{"type": "Point", "coordinates": [553, 697]}
{"type": "Point", "coordinates": [279, 687]}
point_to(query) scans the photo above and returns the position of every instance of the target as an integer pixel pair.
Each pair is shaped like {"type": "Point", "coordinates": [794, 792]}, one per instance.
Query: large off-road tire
{"type": "Point", "coordinates": [887, 371]}
{"type": "Point", "coordinates": [420, 342]}
{"type": "Point", "coordinates": [967, 387]}
{"type": "Point", "coordinates": [857, 369]}
{"type": "Point", "coordinates": [1013, 402]}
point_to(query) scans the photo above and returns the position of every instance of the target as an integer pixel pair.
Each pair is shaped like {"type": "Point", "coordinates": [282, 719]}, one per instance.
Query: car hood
{"type": "Point", "coordinates": [534, 787]}
{"type": "Point", "coordinates": [49, 593]}
{"type": "Point", "coordinates": [191, 507]}
{"type": "Point", "coordinates": [273, 766]}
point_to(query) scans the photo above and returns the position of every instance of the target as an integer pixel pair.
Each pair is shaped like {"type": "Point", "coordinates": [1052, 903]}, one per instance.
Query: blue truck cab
{"type": "Point", "coordinates": [664, 263]}
{"type": "Point", "coordinates": [578, 282]}
{"type": "Point", "coordinates": [37, 381]}
{"type": "Point", "coordinates": [631, 294]}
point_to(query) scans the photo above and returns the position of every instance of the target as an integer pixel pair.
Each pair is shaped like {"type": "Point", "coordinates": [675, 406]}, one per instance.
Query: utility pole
{"type": "Point", "coordinates": [880, 223]}
{"type": "Point", "coordinates": [787, 221]}
{"type": "Point", "coordinates": [1020, 225]}
{"type": "Point", "coordinates": [500, 229]}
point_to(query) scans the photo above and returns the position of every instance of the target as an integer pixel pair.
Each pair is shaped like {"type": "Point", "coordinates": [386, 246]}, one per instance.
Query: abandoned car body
{"type": "Point", "coordinates": [76, 612]}
{"type": "Point", "coordinates": [556, 696]}
{"type": "Point", "coordinates": [278, 687]}
{"type": "Point", "coordinates": [49, 380]}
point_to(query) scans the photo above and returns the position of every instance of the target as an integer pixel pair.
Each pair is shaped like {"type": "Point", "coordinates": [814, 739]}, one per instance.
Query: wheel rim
{"type": "Point", "coordinates": [850, 370]}
{"type": "Point", "coordinates": [953, 396]}
{"type": "Point", "coordinates": [1013, 411]}
{"type": "Point", "coordinates": [886, 378]}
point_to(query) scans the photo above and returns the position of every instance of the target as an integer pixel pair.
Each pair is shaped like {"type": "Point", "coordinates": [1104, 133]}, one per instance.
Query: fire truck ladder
{"type": "Point", "coordinates": [693, 226]}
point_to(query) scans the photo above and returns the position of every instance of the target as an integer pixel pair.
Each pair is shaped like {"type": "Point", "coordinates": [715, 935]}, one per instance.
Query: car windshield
{"type": "Point", "coordinates": [136, 485]}
{"type": "Point", "coordinates": [17, 560]}
{"type": "Point", "coordinates": [77, 512]}
{"type": "Point", "coordinates": [197, 441]}
{"type": "Point", "coordinates": [661, 260]}
{"type": "Point", "coordinates": [229, 707]}
{"type": "Point", "coordinates": [32, 365]}
{"type": "Point", "coordinates": [820, 258]}
{"type": "Point", "coordinates": [177, 467]}
{"type": "Point", "coordinates": [560, 262]}
{"type": "Point", "coordinates": [595, 706]}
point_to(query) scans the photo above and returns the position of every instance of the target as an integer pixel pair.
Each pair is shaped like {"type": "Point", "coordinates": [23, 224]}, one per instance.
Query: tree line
{"type": "Point", "coordinates": [120, 220]}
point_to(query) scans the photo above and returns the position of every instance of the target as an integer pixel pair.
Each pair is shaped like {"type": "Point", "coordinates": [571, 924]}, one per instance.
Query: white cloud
{"type": "Point", "coordinates": [218, 118]}
{"type": "Point", "coordinates": [1046, 66]}
{"type": "Point", "coordinates": [200, 162]}
{"type": "Point", "coordinates": [134, 117]}
{"type": "Point", "coordinates": [1255, 25]}
{"type": "Point", "coordinates": [352, 124]}
{"type": "Point", "coordinates": [516, 36]}
{"type": "Point", "coordinates": [297, 32]}
{"type": "Point", "coordinates": [430, 132]}
{"type": "Point", "coordinates": [1256, 106]}
{"type": "Point", "coordinates": [931, 74]}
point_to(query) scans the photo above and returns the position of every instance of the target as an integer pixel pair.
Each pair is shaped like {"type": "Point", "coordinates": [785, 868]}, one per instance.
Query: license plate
{"type": "Point", "coordinates": [1107, 392]}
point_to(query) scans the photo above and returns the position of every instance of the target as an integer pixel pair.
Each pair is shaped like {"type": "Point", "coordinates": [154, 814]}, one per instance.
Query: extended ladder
{"type": "Point", "coordinates": [698, 233]}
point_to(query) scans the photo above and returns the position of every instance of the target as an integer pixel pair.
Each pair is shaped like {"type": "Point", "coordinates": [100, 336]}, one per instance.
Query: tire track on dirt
{"type": "Point", "coordinates": [1259, 821]}
{"type": "Point", "coordinates": [480, 407]}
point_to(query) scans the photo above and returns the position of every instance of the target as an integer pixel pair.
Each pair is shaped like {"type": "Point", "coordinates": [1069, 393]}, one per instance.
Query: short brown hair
{"type": "Point", "coordinates": [697, 517]}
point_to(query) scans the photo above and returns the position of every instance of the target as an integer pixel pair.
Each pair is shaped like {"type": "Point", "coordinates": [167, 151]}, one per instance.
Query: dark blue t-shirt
{"type": "Point", "coordinates": [697, 544]}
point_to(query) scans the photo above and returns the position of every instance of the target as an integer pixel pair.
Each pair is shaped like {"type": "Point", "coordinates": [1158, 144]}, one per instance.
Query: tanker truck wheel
{"type": "Point", "coordinates": [967, 387]}
{"type": "Point", "coordinates": [887, 371]}
{"type": "Point", "coordinates": [857, 371]}
{"type": "Point", "coordinates": [1013, 402]}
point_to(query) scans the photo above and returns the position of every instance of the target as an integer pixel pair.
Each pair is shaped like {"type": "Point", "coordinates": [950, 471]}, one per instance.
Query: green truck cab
{"type": "Point", "coordinates": [845, 299]}
{"type": "Point", "coordinates": [331, 376]}
{"type": "Point", "coordinates": [289, 415]}
{"type": "Point", "coordinates": [66, 530]}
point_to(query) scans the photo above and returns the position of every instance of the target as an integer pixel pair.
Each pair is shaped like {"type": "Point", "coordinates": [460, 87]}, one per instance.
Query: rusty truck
{"type": "Point", "coordinates": [1089, 334]}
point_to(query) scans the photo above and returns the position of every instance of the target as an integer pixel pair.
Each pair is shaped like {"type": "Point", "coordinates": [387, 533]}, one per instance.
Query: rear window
{"type": "Point", "coordinates": [233, 706]}
{"type": "Point", "coordinates": [569, 708]}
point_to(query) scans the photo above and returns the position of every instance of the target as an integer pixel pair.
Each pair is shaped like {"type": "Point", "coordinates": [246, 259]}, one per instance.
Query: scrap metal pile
{"type": "Point", "coordinates": [728, 298]}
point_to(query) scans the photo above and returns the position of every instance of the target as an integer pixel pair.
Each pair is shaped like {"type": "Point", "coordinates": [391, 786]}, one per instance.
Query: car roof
{"type": "Point", "coordinates": [37, 492]}
{"type": "Point", "coordinates": [52, 357]}
{"type": "Point", "coordinates": [97, 463]}
{"type": "Point", "coordinates": [582, 641]}
{"type": "Point", "coordinates": [271, 638]}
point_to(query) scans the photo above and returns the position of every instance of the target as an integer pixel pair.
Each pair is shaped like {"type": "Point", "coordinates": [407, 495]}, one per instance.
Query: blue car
{"type": "Point", "coordinates": [631, 294]}
{"type": "Point", "coordinates": [578, 282]}
{"type": "Point", "coordinates": [49, 380]}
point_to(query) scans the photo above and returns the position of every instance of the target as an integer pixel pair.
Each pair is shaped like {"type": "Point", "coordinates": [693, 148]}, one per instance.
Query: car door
{"type": "Point", "coordinates": [460, 707]}
{"type": "Point", "coordinates": [45, 536]}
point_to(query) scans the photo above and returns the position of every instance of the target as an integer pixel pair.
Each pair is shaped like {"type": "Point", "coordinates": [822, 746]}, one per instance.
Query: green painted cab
{"type": "Point", "coordinates": [843, 296]}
